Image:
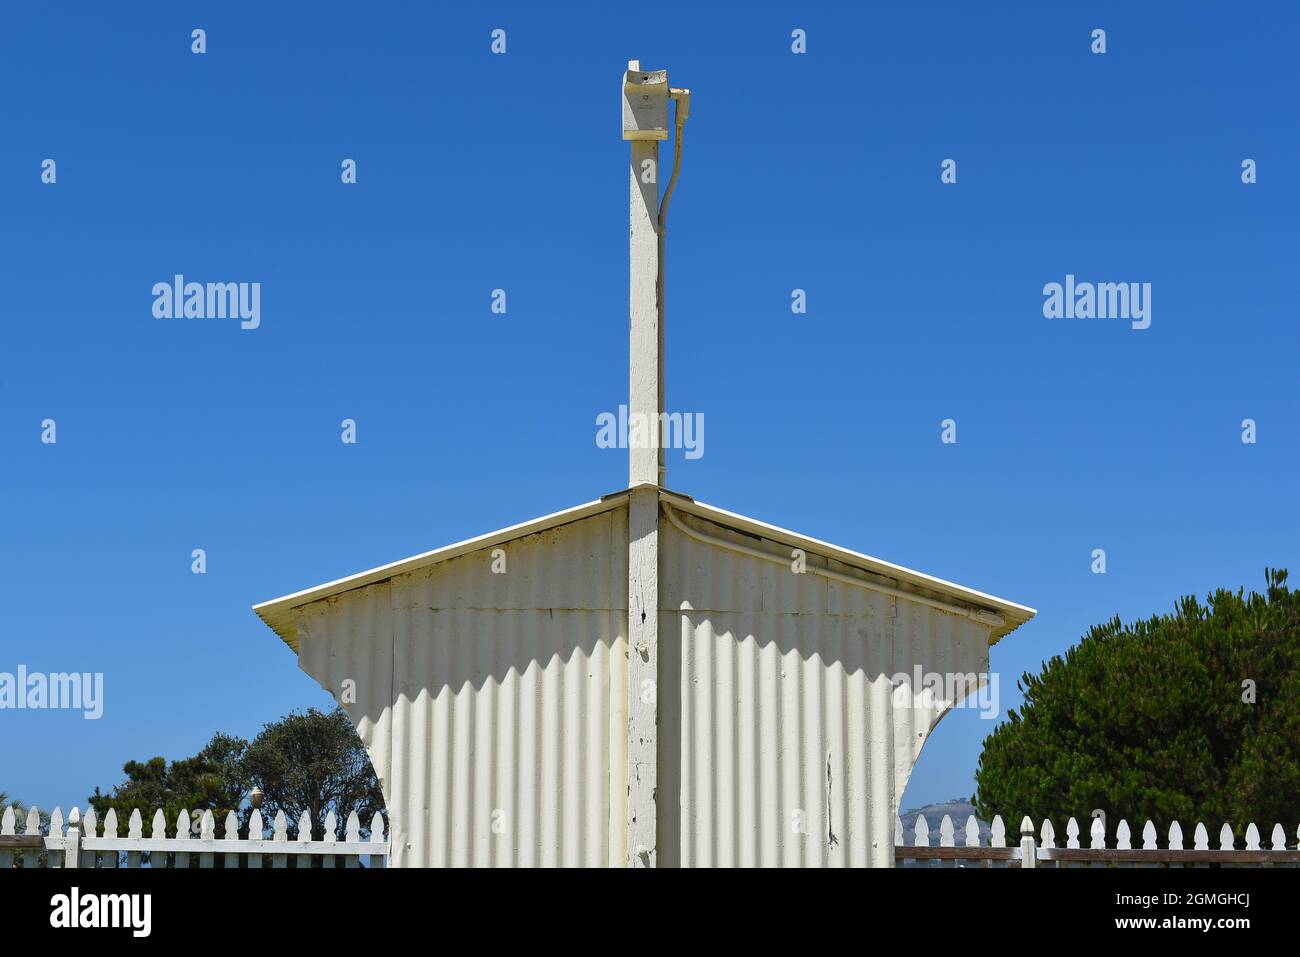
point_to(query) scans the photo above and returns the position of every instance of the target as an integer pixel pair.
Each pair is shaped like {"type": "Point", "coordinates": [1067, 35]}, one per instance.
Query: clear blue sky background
{"type": "Point", "coordinates": [476, 171]}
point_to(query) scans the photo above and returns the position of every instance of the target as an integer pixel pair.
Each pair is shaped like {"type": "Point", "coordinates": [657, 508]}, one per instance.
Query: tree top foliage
{"type": "Point", "coordinates": [1188, 716]}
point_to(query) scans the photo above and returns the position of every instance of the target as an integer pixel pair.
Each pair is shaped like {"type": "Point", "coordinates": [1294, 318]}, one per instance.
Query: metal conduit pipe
{"type": "Point", "coordinates": [974, 614]}
{"type": "Point", "coordinates": [681, 111]}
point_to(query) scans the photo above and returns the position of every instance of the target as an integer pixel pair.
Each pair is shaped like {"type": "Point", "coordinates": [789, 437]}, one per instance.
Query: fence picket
{"type": "Point", "coordinates": [304, 837]}
{"type": "Point", "coordinates": [1278, 838]}
{"type": "Point", "coordinates": [89, 828]}
{"type": "Point", "coordinates": [1227, 840]}
{"type": "Point", "coordinates": [134, 830]}
{"type": "Point", "coordinates": [158, 831]}
{"type": "Point", "coordinates": [231, 861]}
{"type": "Point", "coordinates": [1201, 837]}
{"type": "Point", "coordinates": [332, 836]}
{"type": "Point", "coordinates": [1252, 837]}
{"type": "Point", "coordinates": [1149, 842]}
{"type": "Point", "coordinates": [32, 858]}
{"type": "Point", "coordinates": [1123, 836]}
{"type": "Point", "coordinates": [184, 831]}
{"type": "Point", "coordinates": [55, 858]}
{"type": "Point", "coordinates": [1200, 840]}
{"type": "Point", "coordinates": [1047, 836]}
{"type": "Point", "coordinates": [352, 832]}
{"type": "Point", "coordinates": [280, 834]}
{"type": "Point", "coordinates": [1149, 835]}
{"type": "Point", "coordinates": [972, 835]}
{"type": "Point", "coordinates": [207, 832]}
{"type": "Point", "coordinates": [256, 829]}
{"type": "Point", "coordinates": [998, 838]}
{"type": "Point", "coordinates": [8, 821]}
{"type": "Point", "coordinates": [110, 858]}
{"type": "Point", "coordinates": [377, 834]}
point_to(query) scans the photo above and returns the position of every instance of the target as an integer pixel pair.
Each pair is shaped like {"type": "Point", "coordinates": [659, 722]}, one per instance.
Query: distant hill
{"type": "Point", "coordinates": [958, 809]}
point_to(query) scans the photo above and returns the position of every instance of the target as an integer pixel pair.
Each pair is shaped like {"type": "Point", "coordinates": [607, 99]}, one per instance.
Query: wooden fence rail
{"type": "Point", "coordinates": [1043, 852]}
{"type": "Point", "coordinates": [81, 843]}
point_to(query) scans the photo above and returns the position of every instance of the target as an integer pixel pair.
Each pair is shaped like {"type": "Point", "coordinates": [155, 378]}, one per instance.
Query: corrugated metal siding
{"type": "Point", "coordinates": [779, 716]}
{"type": "Point", "coordinates": [349, 639]}
{"type": "Point", "coordinates": [491, 704]}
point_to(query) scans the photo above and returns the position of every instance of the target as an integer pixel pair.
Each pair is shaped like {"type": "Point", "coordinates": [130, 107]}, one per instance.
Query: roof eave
{"type": "Point", "coordinates": [278, 612]}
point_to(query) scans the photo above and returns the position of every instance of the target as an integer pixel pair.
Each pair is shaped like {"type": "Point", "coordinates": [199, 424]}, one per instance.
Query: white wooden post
{"type": "Point", "coordinates": [645, 106]}
{"type": "Point", "coordinates": [645, 469]}
{"type": "Point", "coordinates": [72, 843]}
{"type": "Point", "coordinates": [645, 393]}
{"type": "Point", "coordinates": [643, 680]}
{"type": "Point", "coordinates": [1028, 853]}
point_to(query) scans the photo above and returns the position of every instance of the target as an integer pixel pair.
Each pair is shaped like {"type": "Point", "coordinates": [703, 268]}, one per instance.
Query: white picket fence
{"type": "Point", "coordinates": [1043, 851]}
{"type": "Point", "coordinates": [81, 844]}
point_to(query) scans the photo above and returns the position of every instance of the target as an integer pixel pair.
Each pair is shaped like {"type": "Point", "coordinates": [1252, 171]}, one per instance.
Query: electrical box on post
{"type": "Point", "coordinates": [645, 103]}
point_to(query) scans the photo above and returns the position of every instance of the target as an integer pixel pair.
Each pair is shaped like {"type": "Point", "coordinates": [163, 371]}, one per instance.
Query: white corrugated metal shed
{"type": "Point", "coordinates": [643, 679]}
{"type": "Point", "coordinates": [495, 706]}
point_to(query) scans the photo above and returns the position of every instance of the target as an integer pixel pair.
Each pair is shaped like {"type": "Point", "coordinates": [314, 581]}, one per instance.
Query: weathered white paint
{"type": "Point", "coordinates": [791, 746]}
{"type": "Point", "coordinates": [645, 389]}
{"type": "Point", "coordinates": [643, 679]}
{"type": "Point", "coordinates": [493, 705]}
{"type": "Point", "coordinates": [279, 613]}
{"type": "Point", "coordinates": [877, 570]}
{"type": "Point", "coordinates": [520, 693]}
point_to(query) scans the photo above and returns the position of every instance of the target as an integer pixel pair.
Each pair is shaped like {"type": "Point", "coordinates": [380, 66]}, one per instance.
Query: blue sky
{"type": "Point", "coordinates": [817, 171]}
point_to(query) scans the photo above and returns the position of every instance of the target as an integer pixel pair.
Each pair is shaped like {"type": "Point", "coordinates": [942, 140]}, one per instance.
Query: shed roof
{"type": "Point", "coordinates": [278, 612]}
